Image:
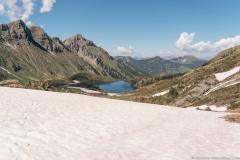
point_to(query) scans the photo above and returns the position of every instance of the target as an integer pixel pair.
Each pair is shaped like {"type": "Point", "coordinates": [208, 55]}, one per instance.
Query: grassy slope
{"type": "Point", "coordinates": [190, 86]}
{"type": "Point", "coordinates": [38, 65]}
{"type": "Point", "coordinates": [104, 63]}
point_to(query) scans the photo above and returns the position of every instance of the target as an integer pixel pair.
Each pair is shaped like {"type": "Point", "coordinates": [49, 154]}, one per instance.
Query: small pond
{"type": "Point", "coordinates": [116, 87]}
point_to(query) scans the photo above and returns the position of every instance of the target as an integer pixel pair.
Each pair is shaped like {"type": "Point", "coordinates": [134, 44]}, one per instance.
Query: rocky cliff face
{"type": "Point", "coordinates": [96, 56]}
{"type": "Point", "coordinates": [77, 43]}
{"type": "Point", "coordinates": [16, 32]}
{"type": "Point", "coordinates": [52, 45]}
{"type": "Point", "coordinates": [80, 45]}
{"type": "Point", "coordinates": [42, 57]}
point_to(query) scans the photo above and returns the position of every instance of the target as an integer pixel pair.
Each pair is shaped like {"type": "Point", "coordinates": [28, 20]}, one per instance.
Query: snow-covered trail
{"type": "Point", "coordinates": [37, 125]}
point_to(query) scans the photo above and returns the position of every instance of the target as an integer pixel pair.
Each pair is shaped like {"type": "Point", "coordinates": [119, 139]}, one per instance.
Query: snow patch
{"type": "Point", "coordinates": [160, 94]}
{"type": "Point", "coordinates": [5, 70]}
{"type": "Point", "coordinates": [223, 85]}
{"type": "Point", "coordinates": [10, 73]}
{"type": "Point", "coordinates": [76, 81]}
{"type": "Point", "coordinates": [234, 83]}
{"type": "Point", "coordinates": [112, 94]}
{"type": "Point", "coordinates": [212, 108]}
{"type": "Point", "coordinates": [86, 90]}
{"type": "Point", "coordinates": [223, 75]}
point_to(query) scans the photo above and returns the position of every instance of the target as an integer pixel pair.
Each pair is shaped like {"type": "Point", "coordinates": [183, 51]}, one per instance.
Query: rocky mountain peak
{"type": "Point", "coordinates": [15, 32]}
{"type": "Point", "coordinates": [17, 24]}
{"type": "Point", "coordinates": [76, 54]}
{"type": "Point", "coordinates": [156, 57]}
{"type": "Point", "coordinates": [77, 43]}
{"type": "Point", "coordinates": [78, 37]}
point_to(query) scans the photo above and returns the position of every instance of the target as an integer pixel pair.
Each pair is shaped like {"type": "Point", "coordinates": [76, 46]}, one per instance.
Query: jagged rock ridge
{"type": "Point", "coordinates": [42, 57]}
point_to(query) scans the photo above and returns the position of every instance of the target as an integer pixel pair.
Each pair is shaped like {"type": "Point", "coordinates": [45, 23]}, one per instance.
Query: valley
{"type": "Point", "coordinates": [119, 80]}
{"type": "Point", "coordinates": [30, 58]}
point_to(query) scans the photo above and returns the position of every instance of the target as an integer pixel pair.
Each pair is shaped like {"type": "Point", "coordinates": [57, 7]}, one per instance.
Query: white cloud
{"type": "Point", "coordinates": [185, 43]}
{"type": "Point", "coordinates": [2, 9]}
{"type": "Point", "coordinates": [12, 10]}
{"type": "Point", "coordinates": [227, 42]}
{"type": "Point", "coordinates": [23, 9]}
{"type": "Point", "coordinates": [125, 50]}
{"type": "Point", "coordinates": [17, 9]}
{"type": "Point", "coordinates": [47, 5]}
{"type": "Point", "coordinates": [28, 6]}
{"type": "Point", "coordinates": [185, 40]}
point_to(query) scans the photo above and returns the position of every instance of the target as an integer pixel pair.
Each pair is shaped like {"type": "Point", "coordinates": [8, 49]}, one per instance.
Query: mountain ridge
{"type": "Point", "coordinates": [216, 83]}
{"type": "Point", "coordinates": [157, 65]}
{"type": "Point", "coordinates": [42, 57]}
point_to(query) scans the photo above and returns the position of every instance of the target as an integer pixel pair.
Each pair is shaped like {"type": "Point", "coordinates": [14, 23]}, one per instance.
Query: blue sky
{"type": "Point", "coordinates": [140, 27]}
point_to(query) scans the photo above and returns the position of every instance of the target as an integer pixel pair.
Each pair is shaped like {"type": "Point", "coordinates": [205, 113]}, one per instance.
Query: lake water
{"type": "Point", "coordinates": [117, 87]}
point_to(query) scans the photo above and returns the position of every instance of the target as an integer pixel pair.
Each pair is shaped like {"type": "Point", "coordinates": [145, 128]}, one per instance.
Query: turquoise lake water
{"type": "Point", "coordinates": [117, 87]}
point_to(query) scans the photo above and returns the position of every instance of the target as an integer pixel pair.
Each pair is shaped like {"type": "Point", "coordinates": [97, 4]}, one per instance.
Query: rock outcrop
{"type": "Point", "coordinates": [96, 56]}
{"type": "Point", "coordinates": [32, 54]}
{"type": "Point", "coordinates": [77, 43]}
{"type": "Point", "coordinates": [16, 32]}
{"type": "Point", "coordinates": [52, 45]}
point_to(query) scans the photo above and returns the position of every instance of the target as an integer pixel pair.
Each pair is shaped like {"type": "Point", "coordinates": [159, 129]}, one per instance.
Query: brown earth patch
{"type": "Point", "coordinates": [234, 118]}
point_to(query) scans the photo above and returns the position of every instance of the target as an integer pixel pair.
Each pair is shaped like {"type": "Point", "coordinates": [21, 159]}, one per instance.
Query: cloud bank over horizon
{"type": "Point", "coordinates": [185, 43]}
{"type": "Point", "coordinates": [185, 46]}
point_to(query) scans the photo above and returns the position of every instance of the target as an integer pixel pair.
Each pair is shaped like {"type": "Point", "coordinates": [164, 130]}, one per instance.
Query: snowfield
{"type": "Point", "coordinates": [223, 75]}
{"type": "Point", "coordinates": [38, 125]}
{"type": "Point", "coordinates": [86, 90]}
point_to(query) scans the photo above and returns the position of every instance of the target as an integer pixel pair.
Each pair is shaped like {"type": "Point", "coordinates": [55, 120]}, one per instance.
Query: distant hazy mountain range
{"type": "Point", "coordinates": [158, 65]}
